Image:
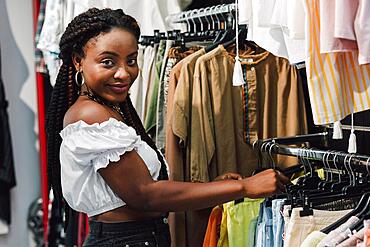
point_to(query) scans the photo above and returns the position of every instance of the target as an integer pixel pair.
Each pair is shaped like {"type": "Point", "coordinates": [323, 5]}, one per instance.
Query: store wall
{"type": "Point", "coordinates": [17, 68]}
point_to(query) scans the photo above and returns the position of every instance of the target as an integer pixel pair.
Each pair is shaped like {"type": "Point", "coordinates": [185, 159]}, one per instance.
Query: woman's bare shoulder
{"type": "Point", "coordinates": [88, 111]}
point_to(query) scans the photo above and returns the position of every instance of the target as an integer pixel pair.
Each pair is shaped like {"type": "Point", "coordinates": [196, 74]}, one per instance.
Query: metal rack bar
{"type": "Point", "coordinates": [298, 139]}
{"type": "Point", "coordinates": [348, 127]}
{"type": "Point", "coordinates": [276, 146]}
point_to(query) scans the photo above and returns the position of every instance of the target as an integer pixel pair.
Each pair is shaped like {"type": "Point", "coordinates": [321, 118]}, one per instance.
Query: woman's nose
{"type": "Point", "coordinates": [122, 73]}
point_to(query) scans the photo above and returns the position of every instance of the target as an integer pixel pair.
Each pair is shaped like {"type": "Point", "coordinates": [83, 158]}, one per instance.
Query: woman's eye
{"type": "Point", "coordinates": [107, 62]}
{"type": "Point", "coordinates": [131, 62]}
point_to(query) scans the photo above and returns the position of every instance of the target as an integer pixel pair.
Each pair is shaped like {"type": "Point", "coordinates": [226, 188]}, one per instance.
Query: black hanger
{"type": "Point", "coordinates": [361, 207]}
{"type": "Point", "coordinates": [343, 190]}
{"type": "Point", "coordinates": [326, 184]}
{"type": "Point", "coordinates": [242, 36]}
{"type": "Point", "coordinates": [361, 211]}
{"type": "Point", "coordinates": [227, 35]}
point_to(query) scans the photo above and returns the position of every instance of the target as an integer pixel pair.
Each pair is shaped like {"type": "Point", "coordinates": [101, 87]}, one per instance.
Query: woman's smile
{"type": "Point", "coordinates": [119, 88]}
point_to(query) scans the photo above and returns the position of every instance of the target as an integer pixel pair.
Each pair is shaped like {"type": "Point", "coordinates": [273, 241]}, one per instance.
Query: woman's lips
{"type": "Point", "coordinates": [120, 87]}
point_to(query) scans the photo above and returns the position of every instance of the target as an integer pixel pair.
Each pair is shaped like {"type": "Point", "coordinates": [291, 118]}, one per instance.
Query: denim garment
{"type": "Point", "coordinates": [153, 232]}
{"type": "Point", "coordinates": [264, 235]}
{"type": "Point", "coordinates": [277, 222]}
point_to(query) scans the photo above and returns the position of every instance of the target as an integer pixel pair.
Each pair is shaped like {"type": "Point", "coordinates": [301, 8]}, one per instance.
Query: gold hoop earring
{"type": "Point", "coordinates": [82, 79]}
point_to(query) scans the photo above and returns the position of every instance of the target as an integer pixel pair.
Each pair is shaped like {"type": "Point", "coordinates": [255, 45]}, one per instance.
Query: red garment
{"type": "Point", "coordinates": [213, 228]}
{"type": "Point", "coordinates": [83, 228]}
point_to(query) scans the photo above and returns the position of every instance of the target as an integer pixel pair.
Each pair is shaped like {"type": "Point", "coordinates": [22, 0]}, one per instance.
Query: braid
{"type": "Point", "coordinates": [64, 94]}
{"type": "Point", "coordinates": [78, 32]}
{"type": "Point", "coordinates": [134, 121]}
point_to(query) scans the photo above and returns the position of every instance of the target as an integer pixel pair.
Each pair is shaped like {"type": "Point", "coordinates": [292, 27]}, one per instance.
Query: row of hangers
{"type": "Point", "coordinates": [215, 25]}
{"type": "Point", "coordinates": [347, 176]}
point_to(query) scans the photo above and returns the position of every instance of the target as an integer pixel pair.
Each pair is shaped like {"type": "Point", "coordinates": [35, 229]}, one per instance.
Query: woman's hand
{"type": "Point", "coordinates": [265, 184]}
{"type": "Point", "coordinates": [229, 175]}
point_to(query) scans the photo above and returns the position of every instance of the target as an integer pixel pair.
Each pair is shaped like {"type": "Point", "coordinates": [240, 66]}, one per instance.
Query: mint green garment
{"type": "Point", "coordinates": [151, 116]}
{"type": "Point", "coordinates": [252, 232]}
{"type": "Point", "coordinates": [240, 219]}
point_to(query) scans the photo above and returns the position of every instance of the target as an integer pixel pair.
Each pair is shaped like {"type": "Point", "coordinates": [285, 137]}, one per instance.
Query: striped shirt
{"type": "Point", "coordinates": [337, 84]}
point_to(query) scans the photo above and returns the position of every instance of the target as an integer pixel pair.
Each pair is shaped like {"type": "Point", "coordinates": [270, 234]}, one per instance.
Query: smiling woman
{"type": "Point", "coordinates": [109, 66]}
{"type": "Point", "coordinates": [100, 158]}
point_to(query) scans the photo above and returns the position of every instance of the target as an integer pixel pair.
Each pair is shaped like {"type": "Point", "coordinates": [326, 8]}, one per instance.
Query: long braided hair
{"type": "Point", "coordinates": [81, 29]}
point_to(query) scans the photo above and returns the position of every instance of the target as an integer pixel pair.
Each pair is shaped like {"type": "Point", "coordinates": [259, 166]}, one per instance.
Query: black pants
{"type": "Point", "coordinates": [153, 232]}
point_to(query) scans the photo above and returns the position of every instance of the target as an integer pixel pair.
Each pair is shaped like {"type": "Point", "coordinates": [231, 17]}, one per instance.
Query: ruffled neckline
{"type": "Point", "coordinates": [81, 124]}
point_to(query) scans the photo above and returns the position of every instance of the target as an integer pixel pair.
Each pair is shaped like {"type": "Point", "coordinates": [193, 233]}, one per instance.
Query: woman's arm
{"type": "Point", "coordinates": [129, 178]}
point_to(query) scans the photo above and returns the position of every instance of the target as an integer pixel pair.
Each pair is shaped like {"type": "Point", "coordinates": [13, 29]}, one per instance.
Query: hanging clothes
{"type": "Point", "coordinates": [136, 89]}
{"type": "Point", "coordinates": [213, 228]}
{"type": "Point", "coordinates": [273, 100]}
{"type": "Point", "coordinates": [337, 32]}
{"type": "Point", "coordinates": [151, 116]}
{"type": "Point", "coordinates": [337, 84]}
{"type": "Point", "coordinates": [362, 31]}
{"type": "Point", "coordinates": [149, 14]}
{"type": "Point", "coordinates": [39, 59]}
{"type": "Point", "coordinates": [298, 228]}
{"type": "Point", "coordinates": [195, 221]}
{"type": "Point", "coordinates": [58, 14]}
{"type": "Point", "coordinates": [276, 26]}
{"type": "Point", "coordinates": [178, 119]}
{"type": "Point", "coordinates": [160, 128]}
{"type": "Point", "coordinates": [241, 220]}
{"type": "Point", "coordinates": [217, 118]}
{"type": "Point", "coordinates": [7, 172]}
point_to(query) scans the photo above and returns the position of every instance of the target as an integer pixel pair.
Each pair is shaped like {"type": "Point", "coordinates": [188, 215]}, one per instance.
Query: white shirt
{"type": "Point", "coordinates": [362, 29]}
{"type": "Point", "coordinates": [87, 148]}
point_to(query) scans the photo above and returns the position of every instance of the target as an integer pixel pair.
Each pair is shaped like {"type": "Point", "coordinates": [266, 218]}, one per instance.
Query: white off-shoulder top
{"type": "Point", "coordinates": [85, 149]}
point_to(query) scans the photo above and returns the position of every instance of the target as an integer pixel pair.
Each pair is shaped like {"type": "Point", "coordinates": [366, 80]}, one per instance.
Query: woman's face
{"type": "Point", "coordinates": [110, 64]}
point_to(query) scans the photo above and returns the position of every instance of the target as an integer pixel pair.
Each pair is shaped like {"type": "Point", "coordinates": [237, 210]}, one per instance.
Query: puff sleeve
{"type": "Point", "coordinates": [98, 144]}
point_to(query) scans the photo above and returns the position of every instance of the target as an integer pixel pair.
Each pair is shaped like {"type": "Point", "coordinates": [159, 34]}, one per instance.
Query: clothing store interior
{"type": "Point", "coordinates": [224, 86]}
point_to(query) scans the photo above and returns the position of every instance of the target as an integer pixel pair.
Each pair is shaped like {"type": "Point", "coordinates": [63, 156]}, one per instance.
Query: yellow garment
{"type": "Point", "coordinates": [337, 84]}
{"type": "Point", "coordinates": [296, 176]}
{"type": "Point", "coordinates": [236, 221]}
{"type": "Point", "coordinates": [223, 240]}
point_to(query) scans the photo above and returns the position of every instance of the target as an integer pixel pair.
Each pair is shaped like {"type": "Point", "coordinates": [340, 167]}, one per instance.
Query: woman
{"type": "Point", "coordinates": [103, 163]}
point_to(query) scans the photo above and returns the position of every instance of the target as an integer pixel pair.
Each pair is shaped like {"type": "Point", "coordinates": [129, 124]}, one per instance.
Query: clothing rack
{"type": "Point", "coordinates": [201, 24]}
{"type": "Point", "coordinates": [185, 16]}
{"type": "Point", "coordinates": [280, 146]}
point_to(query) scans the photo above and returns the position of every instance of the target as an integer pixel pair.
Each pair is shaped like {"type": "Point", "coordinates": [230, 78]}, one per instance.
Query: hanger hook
{"type": "Point", "coordinates": [345, 164]}
{"type": "Point", "coordinates": [351, 168]}
{"type": "Point", "coordinates": [262, 150]}
{"type": "Point", "coordinates": [217, 8]}
{"type": "Point", "coordinates": [350, 172]}
{"type": "Point", "coordinates": [186, 15]}
{"type": "Point", "coordinates": [268, 144]}
{"type": "Point", "coordinates": [222, 15]}
{"type": "Point", "coordinates": [310, 155]}
{"type": "Point", "coordinates": [300, 159]}
{"type": "Point", "coordinates": [367, 166]}
{"type": "Point", "coordinates": [328, 165]}
{"type": "Point", "coordinates": [212, 14]}
{"type": "Point", "coordinates": [336, 167]}
{"type": "Point", "coordinates": [233, 9]}
{"type": "Point", "coordinates": [270, 154]}
{"type": "Point", "coordinates": [192, 12]}
{"type": "Point", "coordinates": [303, 159]}
{"type": "Point", "coordinates": [199, 13]}
{"type": "Point", "coordinates": [207, 15]}
{"type": "Point", "coordinates": [324, 164]}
